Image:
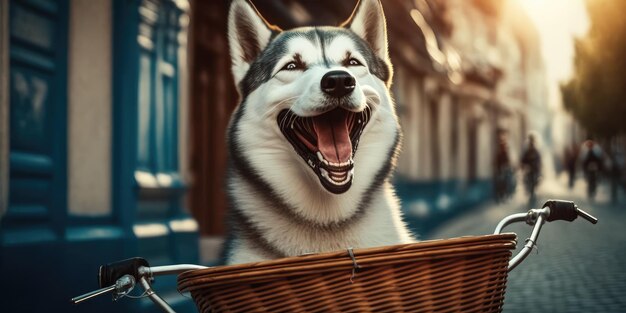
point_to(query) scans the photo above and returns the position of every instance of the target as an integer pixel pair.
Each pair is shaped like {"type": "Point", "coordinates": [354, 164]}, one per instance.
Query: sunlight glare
{"type": "Point", "coordinates": [558, 23]}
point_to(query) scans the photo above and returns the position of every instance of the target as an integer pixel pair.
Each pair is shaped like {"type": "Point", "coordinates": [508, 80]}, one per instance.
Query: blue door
{"type": "Point", "coordinates": [32, 229]}
{"type": "Point", "coordinates": [46, 255]}
{"type": "Point", "coordinates": [148, 189]}
{"type": "Point", "coordinates": [37, 117]}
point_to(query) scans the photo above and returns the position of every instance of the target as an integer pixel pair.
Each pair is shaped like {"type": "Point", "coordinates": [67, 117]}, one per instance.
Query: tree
{"type": "Point", "coordinates": [596, 95]}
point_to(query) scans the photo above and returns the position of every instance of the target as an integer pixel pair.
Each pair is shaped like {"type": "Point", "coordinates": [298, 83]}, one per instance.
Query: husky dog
{"type": "Point", "coordinates": [314, 139]}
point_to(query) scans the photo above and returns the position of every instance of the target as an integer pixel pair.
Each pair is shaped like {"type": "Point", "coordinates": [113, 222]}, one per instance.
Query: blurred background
{"type": "Point", "coordinates": [113, 117]}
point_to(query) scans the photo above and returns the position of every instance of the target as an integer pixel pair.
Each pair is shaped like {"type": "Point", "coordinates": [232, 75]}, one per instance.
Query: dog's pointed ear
{"type": "Point", "coordinates": [248, 34]}
{"type": "Point", "coordinates": [368, 21]}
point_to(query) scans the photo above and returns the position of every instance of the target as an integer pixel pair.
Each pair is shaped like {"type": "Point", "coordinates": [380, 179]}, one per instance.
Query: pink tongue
{"type": "Point", "coordinates": [333, 137]}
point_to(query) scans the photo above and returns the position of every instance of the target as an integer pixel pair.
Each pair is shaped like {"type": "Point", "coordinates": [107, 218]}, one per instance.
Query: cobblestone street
{"type": "Point", "coordinates": [580, 267]}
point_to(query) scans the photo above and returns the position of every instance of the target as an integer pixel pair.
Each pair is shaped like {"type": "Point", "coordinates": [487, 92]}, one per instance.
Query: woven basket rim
{"type": "Point", "coordinates": [341, 260]}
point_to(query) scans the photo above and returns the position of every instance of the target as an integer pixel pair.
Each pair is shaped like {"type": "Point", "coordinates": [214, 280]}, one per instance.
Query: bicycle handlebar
{"type": "Point", "coordinates": [566, 211]}
{"type": "Point", "coordinates": [552, 210]}
{"type": "Point", "coordinates": [110, 273]}
{"type": "Point", "coordinates": [120, 278]}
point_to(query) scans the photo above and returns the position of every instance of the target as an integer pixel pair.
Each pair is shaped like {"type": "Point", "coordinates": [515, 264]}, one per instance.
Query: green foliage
{"type": "Point", "coordinates": [596, 95]}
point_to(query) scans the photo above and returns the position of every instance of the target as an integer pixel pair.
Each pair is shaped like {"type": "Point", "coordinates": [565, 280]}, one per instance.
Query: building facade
{"type": "Point", "coordinates": [485, 75]}
{"type": "Point", "coordinates": [93, 147]}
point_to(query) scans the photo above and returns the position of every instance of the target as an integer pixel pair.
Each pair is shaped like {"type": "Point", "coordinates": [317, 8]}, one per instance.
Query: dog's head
{"type": "Point", "coordinates": [319, 91]}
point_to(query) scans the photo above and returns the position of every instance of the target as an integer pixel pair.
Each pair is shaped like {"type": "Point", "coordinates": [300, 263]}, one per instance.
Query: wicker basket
{"type": "Point", "coordinates": [466, 274]}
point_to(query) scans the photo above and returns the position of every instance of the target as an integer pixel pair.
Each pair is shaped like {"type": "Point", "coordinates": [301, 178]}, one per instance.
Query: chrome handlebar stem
{"type": "Point", "coordinates": [146, 274]}
{"type": "Point", "coordinates": [563, 210]}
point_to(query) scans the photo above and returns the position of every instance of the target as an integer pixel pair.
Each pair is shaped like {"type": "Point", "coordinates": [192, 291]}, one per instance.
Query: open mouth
{"type": "Point", "coordinates": [327, 143]}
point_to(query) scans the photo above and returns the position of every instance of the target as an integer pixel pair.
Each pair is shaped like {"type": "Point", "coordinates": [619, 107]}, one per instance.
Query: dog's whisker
{"type": "Point", "coordinates": [293, 120]}
{"type": "Point", "coordinates": [288, 119]}
{"type": "Point", "coordinates": [274, 107]}
{"type": "Point", "coordinates": [370, 99]}
{"type": "Point", "coordinates": [281, 124]}
{"type": "Point", "coordinates": [272, 110]}
{"type": "Point", "coordinates": [283, 121]}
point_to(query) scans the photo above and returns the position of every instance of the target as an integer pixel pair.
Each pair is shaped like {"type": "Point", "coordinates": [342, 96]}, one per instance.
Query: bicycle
{"type": "Point", "coordinates": [592, 174]}
{"type": "Point", "coordinates": [531, 181]}
{"type": "Point", "coordinates": [121, 277]}
{"type": "Point", "coordinates": [504, 184]}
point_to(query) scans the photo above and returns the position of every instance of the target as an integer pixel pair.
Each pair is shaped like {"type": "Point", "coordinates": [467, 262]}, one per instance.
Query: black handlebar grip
{"type": "Point", "coordinates": [110, 273]}
{"type": "Point", "coordinates": [561, 210]}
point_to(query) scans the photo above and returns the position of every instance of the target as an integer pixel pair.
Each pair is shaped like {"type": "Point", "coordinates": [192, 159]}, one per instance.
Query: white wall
{"type": "Point", "coordinates": [89, 107]}
{"type": "Point", "coordinates": [485, 144]}
{"type": "Point", "coordinates": [463, 120]}
{"type": "Point", "coordinates": [412, 140]}
{"type": "Point", "coordinates": [445, 137]}
{"type": "Point", "coordinates": [423, 118]}
{"type": "Point", "coordinates": [410, 96]}
{"type": "Point", "coordinates": [402, 109]}
{"type": "Point", "coordinates": [183, 97]}
{"type": "Point", "coordinates": [4, 105]}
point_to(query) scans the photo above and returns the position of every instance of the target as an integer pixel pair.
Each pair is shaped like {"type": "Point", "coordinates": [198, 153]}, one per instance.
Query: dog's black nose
{"type": "Point", "coordinates": [338, 83]}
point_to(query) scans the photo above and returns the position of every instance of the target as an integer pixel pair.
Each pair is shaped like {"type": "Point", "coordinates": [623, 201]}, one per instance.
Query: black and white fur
{"type": "Point", "coordinates": [279, 207]}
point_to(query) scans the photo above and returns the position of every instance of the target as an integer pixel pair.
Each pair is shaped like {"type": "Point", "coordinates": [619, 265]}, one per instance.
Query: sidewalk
{"type": "Point", "coordinates": [580, 267]}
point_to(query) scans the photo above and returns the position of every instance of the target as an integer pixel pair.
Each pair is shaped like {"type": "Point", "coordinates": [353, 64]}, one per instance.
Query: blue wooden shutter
{"type": "Point", "coordinates": [38, 96]}
{"type": "Point", "coordinates": [32, 231]}
{"type": "Point", "coordinates": [157, 144]}
{"type": "Point", "coordinates": [147, 186]}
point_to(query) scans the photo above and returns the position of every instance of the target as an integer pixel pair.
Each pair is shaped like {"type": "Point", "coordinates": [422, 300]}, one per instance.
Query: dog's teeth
{"type": "Point", "coordinates": [333, 164]}
{"type": "Point", "coordinates": [321, 158]}
{"type": "Point", "coordinates": [339, 177]}
{"type": "Point", "coordinates": [343, 164]}
{"type": "Point", "coordinates": [328, 177]}
{"type": "Point", "coordinates": [346, 163]}
{"type": "Point", "coordinates": [348, 179]}
{"type": "Point", "coordinates": [324, 173]}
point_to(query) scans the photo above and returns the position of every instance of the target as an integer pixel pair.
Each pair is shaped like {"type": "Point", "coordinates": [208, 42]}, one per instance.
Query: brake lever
{"type": "Point", "coordinates": [586, 216]}
{"type": "Point", "coordinates": [122, 287]}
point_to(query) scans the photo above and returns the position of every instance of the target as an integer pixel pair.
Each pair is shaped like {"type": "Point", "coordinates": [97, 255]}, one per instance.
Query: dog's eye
{"type": "Point", "coordinates": [291, 66]}
{"type": "Point", "coordinates": [354, 62]}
